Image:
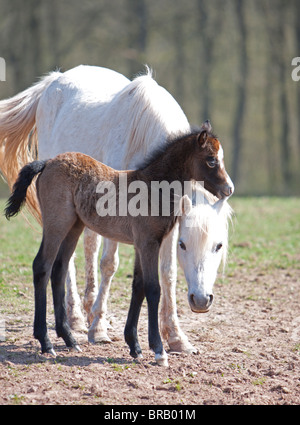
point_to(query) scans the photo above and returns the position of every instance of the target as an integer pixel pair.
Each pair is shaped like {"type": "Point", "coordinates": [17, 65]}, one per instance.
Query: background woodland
{"type": "Point", "coordinates": [224, 60]}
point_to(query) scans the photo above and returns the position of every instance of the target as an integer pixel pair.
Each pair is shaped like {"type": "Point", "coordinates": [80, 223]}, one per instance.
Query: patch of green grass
{"type": "Point", "coordinates": [17, 399]}
{"type": "Point", "coordinates": [265, 234]}
{"type": "Point", "coordinates": [259, 381]}
{"type": "Point", "coordinates": [176, 382]}
{"type": "Point", "coordinates": [296, 349]}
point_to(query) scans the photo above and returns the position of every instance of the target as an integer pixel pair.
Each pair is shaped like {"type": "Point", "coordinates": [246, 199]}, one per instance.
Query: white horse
{"type": "Point", "coordinates": [101, 113]}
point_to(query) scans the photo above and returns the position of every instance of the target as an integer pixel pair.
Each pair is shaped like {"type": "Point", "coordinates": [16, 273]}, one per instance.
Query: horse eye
{"type": "Point", "coordinates": [182, 245]}
{"type": "Point", "coordinates": [211, 162]}
{"type": "Point", "coordinates": [219, 246]}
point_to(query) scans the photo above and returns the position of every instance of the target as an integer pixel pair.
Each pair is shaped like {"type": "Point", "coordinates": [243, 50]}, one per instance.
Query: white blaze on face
{"type": "Point", "coordinates": [221, 157]}
{"type": "Point", "coordinates": [222, 166]}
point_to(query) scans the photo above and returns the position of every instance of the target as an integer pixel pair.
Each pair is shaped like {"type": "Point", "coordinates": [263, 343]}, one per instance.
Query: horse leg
{"type": "Point", "coordinates": [169, 323]}
{"type": "Point", "coordinates": [149, 262]}
{"type": "Point", "coordinates": [108, 266]}
{"type": "Point", "coordinates": [137, 298]}
{"type": "Point", "coordinates": [92, 242]}
{"type": "Point", "coordinates": [58, 277]}
{"type": "Point", "coordinates": [76, 319]}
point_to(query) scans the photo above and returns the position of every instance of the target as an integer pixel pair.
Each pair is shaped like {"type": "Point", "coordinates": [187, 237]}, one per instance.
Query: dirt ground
{"type": "Point", "coordinates": [249, 353]}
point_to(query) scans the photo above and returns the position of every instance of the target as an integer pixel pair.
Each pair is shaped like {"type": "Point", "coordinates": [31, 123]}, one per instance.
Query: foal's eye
{"type": "Point", "coordinates": [182, 245]}
{"type": "Point", "coordinates": [219, 246]}
{"type": "Point", "coordinates": [211, 162]}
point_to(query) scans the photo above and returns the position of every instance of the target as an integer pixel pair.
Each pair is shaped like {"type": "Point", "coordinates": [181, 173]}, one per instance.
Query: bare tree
{"type": "Point", "coordinates": [137, 23]}
{"type": "Point", "coordinates": [208, 20]}
{"type": "Point", "coordinates": [241, 91]}
{"type": "Point", "coordinates": [297, 36]}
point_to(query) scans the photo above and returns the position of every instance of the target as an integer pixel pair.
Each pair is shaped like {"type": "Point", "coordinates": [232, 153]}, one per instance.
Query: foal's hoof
{"type": "Point", "coordinates": [50, 351]}
{"type": "Point", "coordinates": [162, 359]}
{"type": "Point", "coordinates": [76, 348]}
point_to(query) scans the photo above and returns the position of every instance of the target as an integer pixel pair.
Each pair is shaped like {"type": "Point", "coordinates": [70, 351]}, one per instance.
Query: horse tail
{"type": "Point", "coordinates": [18, 196]}
{"type": "Point", "coordinates": [18, 138]}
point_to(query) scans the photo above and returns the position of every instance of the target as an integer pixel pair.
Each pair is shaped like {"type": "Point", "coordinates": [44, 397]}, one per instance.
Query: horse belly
{"type": "Point", "coordinates": [111, 228]}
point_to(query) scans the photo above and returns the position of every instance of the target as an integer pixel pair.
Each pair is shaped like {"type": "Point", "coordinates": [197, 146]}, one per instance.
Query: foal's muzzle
{"type": "Point", "coordinates": [200, 304]}
{"type": "Point", "coordinates": [226, 191]}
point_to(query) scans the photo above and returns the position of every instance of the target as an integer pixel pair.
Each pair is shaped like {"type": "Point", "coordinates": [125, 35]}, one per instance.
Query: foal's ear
{"type": "Point", "coordinates": [202, 138]}
{"type": "Point", "coordinates": [206, 126]}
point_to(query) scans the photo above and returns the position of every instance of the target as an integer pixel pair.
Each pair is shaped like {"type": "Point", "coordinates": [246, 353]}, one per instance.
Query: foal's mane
{"type": "Point", "coordinates": [157, 153]}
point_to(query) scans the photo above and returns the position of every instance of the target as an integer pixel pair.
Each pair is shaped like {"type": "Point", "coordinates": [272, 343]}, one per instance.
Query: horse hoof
{"type": "Point", "coordinates": [181, 346]}
{"type": "Point", "coordinates": [98, 339]}
{"type": "Point", "coordinates": [162, 359]}
{"type": "Point", "coordinates": [78, 326]}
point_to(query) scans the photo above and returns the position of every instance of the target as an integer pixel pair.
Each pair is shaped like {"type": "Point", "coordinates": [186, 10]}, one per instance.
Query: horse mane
{"type": "Point", "coordinates": [152, 116]}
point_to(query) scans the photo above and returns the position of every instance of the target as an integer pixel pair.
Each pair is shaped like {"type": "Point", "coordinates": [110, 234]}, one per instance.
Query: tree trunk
{"type": "Point", "coordinates": [137, 34]}
{"type": "Point", "coordinates": [179, 58]}
{"type": "Point", "coordinates": [207, 23]}
{"type": "Point", "coordinates": [284, 107]}
{"type": "Point", "coordinates": [241, 90]}
{"type": "Point", "coordinates": [297, 34]}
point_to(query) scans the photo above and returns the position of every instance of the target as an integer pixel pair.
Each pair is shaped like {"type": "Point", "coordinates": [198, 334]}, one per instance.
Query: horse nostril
{"type": "Point", "coordinates": [202, 303]}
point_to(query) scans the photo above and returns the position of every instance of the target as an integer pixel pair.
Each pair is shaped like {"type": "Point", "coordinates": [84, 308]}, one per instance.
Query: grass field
{"type": "Point", "coordinates": [265, 235]}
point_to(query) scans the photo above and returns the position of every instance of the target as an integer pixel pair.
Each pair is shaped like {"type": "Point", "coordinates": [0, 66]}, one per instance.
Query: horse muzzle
{"type": "Point", "coordinates": [200, 304]}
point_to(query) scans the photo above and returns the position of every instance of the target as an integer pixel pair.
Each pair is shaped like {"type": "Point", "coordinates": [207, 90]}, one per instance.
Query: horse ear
{"type": "Point", "coordinates": [219, 204]}
{"type": "Point", "coordinates": [206, 126]}
{"type": "Point", "coordinates": [185, 205]}
{"type": "Point", "coordinates": [202, 138]}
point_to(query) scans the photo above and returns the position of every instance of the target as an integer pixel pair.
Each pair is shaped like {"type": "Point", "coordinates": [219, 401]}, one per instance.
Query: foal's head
{"type": "Point", "coordinates": [209, 163]}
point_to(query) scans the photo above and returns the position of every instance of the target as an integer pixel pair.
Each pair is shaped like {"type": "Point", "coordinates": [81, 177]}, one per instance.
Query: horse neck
{"type": "Point", "coordinates": [176, 163]}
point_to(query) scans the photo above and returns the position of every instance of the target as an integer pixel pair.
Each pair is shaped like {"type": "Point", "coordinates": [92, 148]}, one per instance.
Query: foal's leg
{"type": "Point", "coordinates": [58, 277]}
{"type": "Point", "coordinates": [148, 258]}
{"type": "Point", "coordinates": [149, 261]}
{"type": "Point", "coordinates": [169, 322]}
{"type": "Point", "coordinates": [108, 265]}
{"type": "Point", "coordinates": [92, 242]}
{"type": "Point", "coordinates": [42, 266]}
{"type": "Point", "coordinates": [137, 298]}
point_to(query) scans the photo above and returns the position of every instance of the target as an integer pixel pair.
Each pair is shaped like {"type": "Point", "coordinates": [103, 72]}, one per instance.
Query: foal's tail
{"type": "Point", "coordinates": [18, 196]}
{"type": "Point", "coordinates": [18, 139]}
